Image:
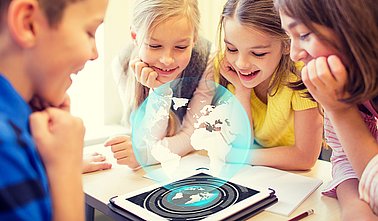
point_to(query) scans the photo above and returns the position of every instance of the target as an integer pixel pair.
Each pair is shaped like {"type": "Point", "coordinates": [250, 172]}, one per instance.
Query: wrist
{"type": "Point", "coordinates": [341, 112]}
{"type": "Point", "coordinates": [243, 93]}
{"type": "Point", "coordinates": [163, 91]}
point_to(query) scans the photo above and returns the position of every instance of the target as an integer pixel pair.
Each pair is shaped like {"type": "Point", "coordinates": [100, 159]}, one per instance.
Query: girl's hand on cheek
{"type": "Point", "coordinates": [144, 74]}
{"type": "Point", "coordinates": [228, 72]}
{"type": "Point", "coordinates": [325, 79]}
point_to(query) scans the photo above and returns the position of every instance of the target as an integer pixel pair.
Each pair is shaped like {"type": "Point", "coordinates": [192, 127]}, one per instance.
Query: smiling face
{"type": "Point", "coordinates": [63, 50]}
{"type": "Point", "coordinates": [168, 48]}
{"type": "Point", "coordinates": [253, 54]}
{"type": "Point", "coordinates": [305, 45]}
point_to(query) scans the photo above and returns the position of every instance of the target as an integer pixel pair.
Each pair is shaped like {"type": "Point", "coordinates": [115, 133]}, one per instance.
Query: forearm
{"type": "Point", "coordinates": [179, 144]}
{"type": "Point", "coordinates": [67, 195]}
{"type": "Point", "coordinates": [155, 120]}
{"type": "Point", "coordinates": [358, 143]}
{"type": "Point", "coordinates": [285, 157]}
{"type": "Point", "coordinates": [352, 208]}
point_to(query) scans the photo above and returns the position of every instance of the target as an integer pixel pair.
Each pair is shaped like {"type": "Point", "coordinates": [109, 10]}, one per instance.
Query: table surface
{"type": "Point", "coordinates": [100, 186]}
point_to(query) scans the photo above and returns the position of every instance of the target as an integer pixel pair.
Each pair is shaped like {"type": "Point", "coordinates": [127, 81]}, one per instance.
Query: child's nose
{"type": "Point", "coordinates": [167, 58]}
{"type": "Point", "coordinates": [297, 53]}
{"type": "Point", "coordinates": [242, 63]}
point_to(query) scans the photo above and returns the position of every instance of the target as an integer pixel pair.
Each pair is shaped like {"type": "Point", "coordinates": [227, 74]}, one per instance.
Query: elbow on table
{"type": "Point", "coordinates": [307, 161]}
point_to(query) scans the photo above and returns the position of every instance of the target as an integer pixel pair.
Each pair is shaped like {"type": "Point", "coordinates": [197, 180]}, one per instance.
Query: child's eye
{"type": "Point", "coordinates": [154, 46]}
{"type": "Point", "coordinates": [259, 54]}
{"type": "Point", "coordinates": [231, 50]}
{"type": "Point", "coordinates": [182, 47]}
{"type": "Point", "coordinates": [304, 36]}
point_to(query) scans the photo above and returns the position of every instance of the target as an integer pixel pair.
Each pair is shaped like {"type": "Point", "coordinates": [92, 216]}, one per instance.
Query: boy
{"type": "Point", "coordinates": [42, 42]}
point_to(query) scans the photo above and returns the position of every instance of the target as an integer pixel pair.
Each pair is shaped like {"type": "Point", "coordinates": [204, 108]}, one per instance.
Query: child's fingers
{"type": "Point", "coordinates": [119, 147]}
{"type": "Point", "coordinates": [121, 154]}
{"type": "Point", "coordinates": [133, 62]}
{"type": "Point", "coordinates": [138, 69]}
{"type": "Point", "coordinates": [66, 105]}
{"type": "Point", "coordinates": [152, 79]}
{"type": "Point", "coordinates": [95, 166]}
{"type": "Point", "coordinates": [338, 69]}
{"type": "Point", "coordinates": [145, 74]}
{"type": "Point", "coordinates": [39, 125]}
{"type": "Point", "coordinates": [116, 140]}
{"type": "Point", "coordinates": [323, 72]}
{"type": "Point", "coordinates": [306, 80]}
{"type": "Point", "coordinates": [312, 74]}
{"type": "Point", "coordinates": [98, 158]}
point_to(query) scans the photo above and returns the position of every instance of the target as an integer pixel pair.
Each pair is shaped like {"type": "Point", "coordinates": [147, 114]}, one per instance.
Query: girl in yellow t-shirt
{"type": "Point", "coordinates": [256, 67]}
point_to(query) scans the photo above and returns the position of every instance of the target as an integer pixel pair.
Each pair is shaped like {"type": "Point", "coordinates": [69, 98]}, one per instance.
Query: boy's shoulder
{"type": "Point", "coordinates": [7, 128]}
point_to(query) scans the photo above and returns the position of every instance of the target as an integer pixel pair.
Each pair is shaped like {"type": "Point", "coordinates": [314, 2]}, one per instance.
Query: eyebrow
{"type": "Point", "coordinates": [179, 41]}
{"type": "Point", "coordinates": [255, 47]}
{"type": "Point", "coordinates": [292, 25]}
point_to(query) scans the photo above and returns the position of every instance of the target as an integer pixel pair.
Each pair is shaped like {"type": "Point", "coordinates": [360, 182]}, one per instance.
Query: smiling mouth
{"type": "Point", "coordinates": [248, 76]}
{"type": "Point", "coordinates": [165, 71]}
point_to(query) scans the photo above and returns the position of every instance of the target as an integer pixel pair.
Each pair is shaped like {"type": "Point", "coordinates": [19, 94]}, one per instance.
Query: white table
{"type": "Point", "coordinates": [100, 186]}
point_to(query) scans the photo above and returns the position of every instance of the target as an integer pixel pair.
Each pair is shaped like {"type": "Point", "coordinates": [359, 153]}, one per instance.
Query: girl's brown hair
{"type": "Point", "coordinates": [355, 25]}
{"type": "Point", "coordinates": [260, 15]}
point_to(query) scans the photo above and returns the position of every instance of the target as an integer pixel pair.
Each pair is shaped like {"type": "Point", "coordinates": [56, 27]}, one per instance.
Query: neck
{"type": "Point", "coordinates": [261, 90]}
{"type": "Point", "coordinates": [12, 67]}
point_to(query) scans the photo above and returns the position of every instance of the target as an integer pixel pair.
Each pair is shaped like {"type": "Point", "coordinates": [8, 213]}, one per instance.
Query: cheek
{"type": "Point", "coordinates": [317, 49]}
{"type": "Point", "coordinates": [231, 58]}
{"type": "Point", "coordinates": [151, 57]}
{"type": "Point", "coordinates": [183, 59]}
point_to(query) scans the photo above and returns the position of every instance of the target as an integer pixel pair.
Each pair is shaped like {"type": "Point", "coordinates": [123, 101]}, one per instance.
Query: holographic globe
{"type": "Point", "coordinates": [222, 134]}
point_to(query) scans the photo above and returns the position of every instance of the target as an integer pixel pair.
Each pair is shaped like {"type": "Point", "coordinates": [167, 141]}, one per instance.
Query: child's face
{"type": "Point", "coordinates": [305, 45]}
{"type": "Point", "coordinates": [63, 50]}
{"type": "Point", "coordinates": [168, 48]}
{"type": "Point", "coordinates": [253, 54]}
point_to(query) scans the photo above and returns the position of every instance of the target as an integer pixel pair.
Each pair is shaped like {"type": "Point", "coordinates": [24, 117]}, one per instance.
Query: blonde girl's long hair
{"type": "Point", "coordinates": [146, 16]}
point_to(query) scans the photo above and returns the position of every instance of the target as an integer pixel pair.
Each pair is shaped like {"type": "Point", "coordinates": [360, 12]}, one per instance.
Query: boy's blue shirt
{"type": "Point", "coordinates": [24, 189]}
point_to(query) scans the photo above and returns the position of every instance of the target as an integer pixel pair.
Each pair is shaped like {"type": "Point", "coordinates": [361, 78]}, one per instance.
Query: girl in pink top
{"type": "Point", "coordinates": [338, 42]}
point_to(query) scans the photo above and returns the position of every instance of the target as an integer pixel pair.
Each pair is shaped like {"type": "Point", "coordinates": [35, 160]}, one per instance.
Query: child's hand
{"type": "Point", "coordinates": [230, 74]}
{"type": "Point", "coordinates": [95, 162]}
{"type": "Point", "coordinates": [122, 149]}
{"type": "Point", "coordinates": [59, 139]}
{"type": "Point", "coordinates": [66, 104]}
{"type": "Point", "coordinates": [144, 74]}
{"type": "Point", "coordinates": [325, 79]}
{"type": "Point", "coordinates": [39, 104]}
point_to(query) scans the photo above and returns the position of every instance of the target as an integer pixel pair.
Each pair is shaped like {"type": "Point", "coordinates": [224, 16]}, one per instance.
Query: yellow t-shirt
{"type": "Point", "coordinates": [273, 123]}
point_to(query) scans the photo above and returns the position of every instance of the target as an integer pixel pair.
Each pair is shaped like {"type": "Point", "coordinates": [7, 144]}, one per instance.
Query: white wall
{"type": "Point", "coordinates": [94, 95]}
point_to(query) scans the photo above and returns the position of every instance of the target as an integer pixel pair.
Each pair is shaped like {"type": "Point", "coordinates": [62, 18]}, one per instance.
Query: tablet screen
{"type": "Point", "coordinates": [194, 198]}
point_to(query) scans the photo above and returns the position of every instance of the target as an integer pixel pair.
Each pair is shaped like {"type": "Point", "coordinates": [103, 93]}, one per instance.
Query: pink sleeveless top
{"type": "Point", "coordinates": [341, 167]}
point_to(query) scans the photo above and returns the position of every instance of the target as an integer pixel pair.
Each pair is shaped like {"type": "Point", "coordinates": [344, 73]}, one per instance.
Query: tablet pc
{"type": "Point", "coordinates": [198, 197]}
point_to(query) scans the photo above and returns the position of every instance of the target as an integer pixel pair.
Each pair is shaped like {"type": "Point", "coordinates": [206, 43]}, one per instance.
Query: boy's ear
{"type": "Point", "coordinates": [20, 19]}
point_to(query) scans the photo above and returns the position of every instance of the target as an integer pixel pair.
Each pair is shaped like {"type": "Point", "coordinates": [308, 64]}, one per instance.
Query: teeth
{"type": "Point", "coordinates": [166, 70]}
